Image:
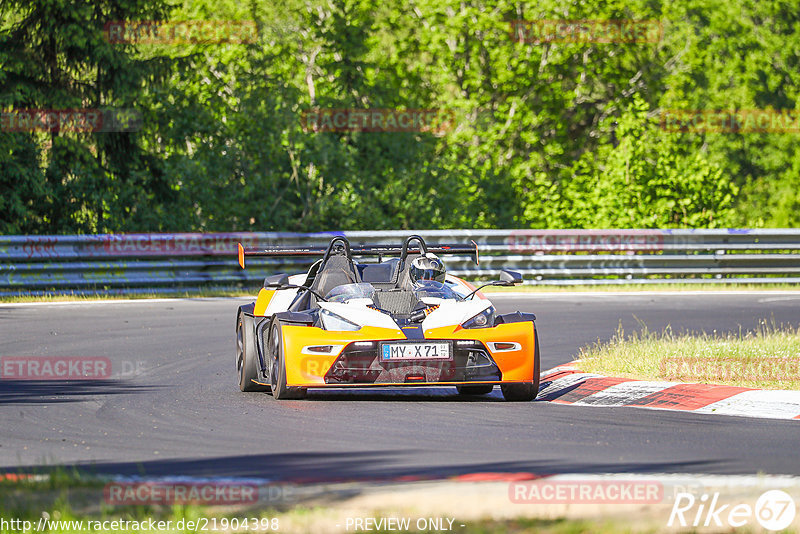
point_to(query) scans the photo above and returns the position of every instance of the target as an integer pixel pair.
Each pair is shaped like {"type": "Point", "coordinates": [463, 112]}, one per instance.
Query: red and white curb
{"type": "Point", "coordinates": [566, 384]}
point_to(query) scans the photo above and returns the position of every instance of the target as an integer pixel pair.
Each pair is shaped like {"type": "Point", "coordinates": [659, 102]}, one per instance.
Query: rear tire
{"type": "Point", "coordinates": [278, 375]}
{"type": "Point", "coordinates": [247, 364]}
{"type": "Point", "coordinates": [481, 389]}
{"type": "Point", "coordinates": [525, 392]}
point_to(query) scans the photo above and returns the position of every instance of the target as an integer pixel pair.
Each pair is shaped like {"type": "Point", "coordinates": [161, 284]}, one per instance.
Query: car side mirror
{"type": "Point", "coordinates": [510, 278]}
{"type": "Point", "coordinates": [276, 280]}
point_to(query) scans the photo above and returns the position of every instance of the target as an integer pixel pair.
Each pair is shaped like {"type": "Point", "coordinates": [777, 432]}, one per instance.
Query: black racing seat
{"type": "Point", "coordinates": [404, 279]}
{"type": "Point", "coordinates": [386, 277]}
{"type": "Point", "coordinates": [382, 275]}
{"type": "Point", "coordinates": [336, 268]}
{"type": "Point", "coordinates": [336, 271]}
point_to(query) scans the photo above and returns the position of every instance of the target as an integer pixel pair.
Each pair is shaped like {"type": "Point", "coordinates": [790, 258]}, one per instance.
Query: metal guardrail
{"type": "Point", "coordinates": [164, 262]}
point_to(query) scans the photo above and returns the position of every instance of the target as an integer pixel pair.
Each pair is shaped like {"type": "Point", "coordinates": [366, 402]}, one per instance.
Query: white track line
{"type": "Point", "coordinates": [624, 393]}
{"type": "Point", "coordinates": [670, 292]}
{"type": "Point", "coordinates": [769, 404]}
{"type": "Point", "coordinates": [763, 404]}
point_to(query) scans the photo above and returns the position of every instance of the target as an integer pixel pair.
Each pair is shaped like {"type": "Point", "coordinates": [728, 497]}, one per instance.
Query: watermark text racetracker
{"type": "Point", "coordinates": [55, 368]}
{"type": "Point", "coordinates": [181, 32]}
{"type": "Point", "coordinates": [586, 31]}
{"type": "Point", "coordinates": [586, 492]}
{"type": "Point", "coordinates": [586, 240]}
{"type": "Point", "coordinates": [82, 120]}
{"type": "Point", "coordinates": [732, 121]}
{"type": "Point", "coordinates": [68, 368]}
{"type": "Point", "coordinates": [708, 368]}
{"type": "Point", "coordinates": [168, 244]}
{"type": "Point", "coordinates": [137, 245]}
{"type": "Point", "coordinates": [436, 121]}
{"type": "Point", "coordinates": [206, 493]}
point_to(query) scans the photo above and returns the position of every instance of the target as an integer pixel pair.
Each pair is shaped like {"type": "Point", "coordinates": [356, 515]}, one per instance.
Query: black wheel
{"type": "Point", "coordinates": [278, 374]}
{"type": "Point", "coordinates": [246, 355]}
{"type": "Point", "coordinates": [480, 389]}
{"type": "Point", "coordinates": [525, 392]}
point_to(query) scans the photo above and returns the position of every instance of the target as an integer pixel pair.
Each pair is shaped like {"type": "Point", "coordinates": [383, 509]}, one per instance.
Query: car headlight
{"type": "Point", "coordinates": [331, 321]}
{"type": "Point", "coordinates": [484, 319]}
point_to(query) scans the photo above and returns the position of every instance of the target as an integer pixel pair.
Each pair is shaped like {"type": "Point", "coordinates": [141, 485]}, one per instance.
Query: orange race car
{"type": "Point", "coordinates": [401, 321]}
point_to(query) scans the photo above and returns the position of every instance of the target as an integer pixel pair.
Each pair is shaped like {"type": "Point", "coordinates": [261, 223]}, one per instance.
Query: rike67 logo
{"type": "Point", "coordinates": [774, 510]}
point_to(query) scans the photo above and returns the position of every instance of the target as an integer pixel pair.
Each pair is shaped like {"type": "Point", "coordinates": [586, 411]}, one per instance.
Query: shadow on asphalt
{"type": "Point", "coordinates": [406, 393]}
{"type": "Point", "coordinates": [356, 466]}
{"type": "Point", "coordinates": [58, 391]}
{"type": "Point", "coordinates": [401, 394]}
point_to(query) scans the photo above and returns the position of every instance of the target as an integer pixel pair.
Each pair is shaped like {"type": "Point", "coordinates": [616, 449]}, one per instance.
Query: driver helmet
{"type": "Point", "coordinates": [427, 267]}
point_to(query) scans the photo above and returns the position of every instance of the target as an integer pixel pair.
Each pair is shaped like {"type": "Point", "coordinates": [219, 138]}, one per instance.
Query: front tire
{"type": "Point", "coordinates": [525, 392]}
{"type": "Point", "coordinates": [247, 364]}
{"type": "Point", "coordinates": [278, 375]}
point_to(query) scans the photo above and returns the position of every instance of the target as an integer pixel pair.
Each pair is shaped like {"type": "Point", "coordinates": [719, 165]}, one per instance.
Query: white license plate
{"type": "Point", "coordinates": [415, 351]}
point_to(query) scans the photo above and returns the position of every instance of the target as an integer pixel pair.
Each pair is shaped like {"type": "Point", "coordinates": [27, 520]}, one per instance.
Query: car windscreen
{"type": "Point", "coordinates": [434, 289]}
{"type": "Point", "coordinates": [347, 292]}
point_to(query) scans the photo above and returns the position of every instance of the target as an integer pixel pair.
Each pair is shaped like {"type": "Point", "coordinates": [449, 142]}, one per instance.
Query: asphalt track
{"type": "Point", "coordinates": [172, 406]}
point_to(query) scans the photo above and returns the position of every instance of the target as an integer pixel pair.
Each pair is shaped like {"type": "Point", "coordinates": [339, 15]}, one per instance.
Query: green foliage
{"type": "Point", "coordinates": [22, 184]}
{"type": "Point", "coordinates": [547, 135]}
{"type": "Point", "coordinates": [54, 56]}
{"type": "Point", "coordinates": [649, 179]}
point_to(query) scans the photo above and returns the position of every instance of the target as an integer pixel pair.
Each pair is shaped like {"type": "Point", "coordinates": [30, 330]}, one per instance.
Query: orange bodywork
{"type": "Point", "coordinates": [264, 297]}
{"type": "Point", "coordinates": [308, 370]}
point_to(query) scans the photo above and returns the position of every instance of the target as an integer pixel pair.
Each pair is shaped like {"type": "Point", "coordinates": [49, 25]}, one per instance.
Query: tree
{"type": "Point", "coordinates": [648, 179]}
{"type": "Point", "coordinates": [56, 57]}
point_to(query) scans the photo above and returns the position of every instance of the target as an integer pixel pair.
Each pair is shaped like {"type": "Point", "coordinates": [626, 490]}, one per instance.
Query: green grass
{"type": "Point", "coordinates": [677, 286]}
{"type": "Point", "coordinates": [69, 496]}
{"type": "Point", "coordinates": [768, 358]}
{"type": "Point", "coordinates": [77, 297]}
